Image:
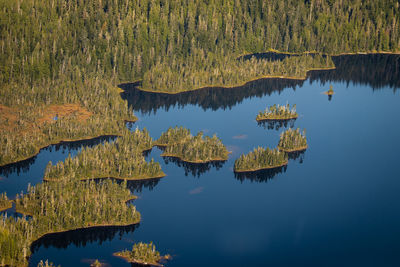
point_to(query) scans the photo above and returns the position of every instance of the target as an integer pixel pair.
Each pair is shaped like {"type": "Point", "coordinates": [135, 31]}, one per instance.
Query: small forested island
{"type": "Point", "coordinates": [277, 112]}
{"type": "Point", "coordinates": [46, 264]}
{"type": "Point", "coordinates": [143, 254]}
{"type": "Point", "coordinates": [121, 159]}
{"type": "Point", "coordinates": [96, 263]}
{"type": "Point", "coordinates": [260, 159]}
{"type": "Point", "coordinates": [330, 91]}
{"type": "Point", "coordinates": [173, 136]}
{"type": "Point", "coordinates": [292, 140]}
{"type": "Point", "coordinates": [5, 203]}
{"type": "Point", "coordinates": [60, 207]}
{"type": "Point", "coordinates": [197, 149]}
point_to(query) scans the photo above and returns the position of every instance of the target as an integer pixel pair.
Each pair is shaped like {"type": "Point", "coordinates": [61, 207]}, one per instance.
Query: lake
{"type": "Point", "coordinates": [336, 204]}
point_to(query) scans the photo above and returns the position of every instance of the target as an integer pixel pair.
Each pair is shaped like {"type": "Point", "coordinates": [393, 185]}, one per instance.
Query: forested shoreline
{"type": "Point", "coordinates": [27, 125]}
{"type": "Point", "coordinates": [57, 53]}
{"type": "Point", "coordinates": [5, 203]}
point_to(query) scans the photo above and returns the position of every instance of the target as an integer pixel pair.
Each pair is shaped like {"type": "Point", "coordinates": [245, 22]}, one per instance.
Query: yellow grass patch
{"type": "Point", "coordinates": [11, 119]}
{"type": "Point", "coordinates": [8, 113]}
{"type": "Point", "coordinates": [65, 110]}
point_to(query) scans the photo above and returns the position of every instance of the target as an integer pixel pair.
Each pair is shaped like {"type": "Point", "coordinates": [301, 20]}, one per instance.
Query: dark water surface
{"type": "Point", "coordinates": [14, 178]}
{"type": "Point", "coordinates": [336, 204]}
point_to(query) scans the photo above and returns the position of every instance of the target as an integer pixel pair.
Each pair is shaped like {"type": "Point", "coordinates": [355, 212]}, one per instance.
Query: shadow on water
{"type": "Point", "coordinates": [276, 124]}
{"type": "Point", "coordinates": [81, 143]}
{"type": "Point", "coordinates": [12, 212]}
{"type": "Point", "coordinates": [17, 167]}
{"type": "Point", "coordinates": [195, 169]}
{"type": "Point", "coordinates": [132, 185]}
{"type": "Point", "coordinates": [147, 153]}
{"type": "Point", "coordinates": [375, 70]}
{"type": "Point", "coordinates": [208, 98]}
{"type": "Point", "coordinates": [261, 176]}
{"type": "Point", "coordinates": [82, 237]}
{"type": "Point", "coordinates": [271, 56]}
{"type": "Point", "coordinates": [24, 165]}
{"type": "Point", "coordinates": [297, 156]}
{"type": "Point", "coordinates": [138, 186]}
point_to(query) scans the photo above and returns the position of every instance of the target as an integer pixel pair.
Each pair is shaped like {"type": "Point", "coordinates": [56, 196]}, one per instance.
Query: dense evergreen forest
{"type": "Point", "coordinates": [75, 52]}
{"type": "Point", "coordinates": [121, 159]}
{"type": "Point", "coordinates": [44, 40]}
{"type": "Point", "coordinates": [63, 206]}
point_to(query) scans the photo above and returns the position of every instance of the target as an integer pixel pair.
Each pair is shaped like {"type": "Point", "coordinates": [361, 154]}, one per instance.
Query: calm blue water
{"type": "Point", "coordinates": [336, 205]}
{"type": "Point", "coordinates": [14, 178]}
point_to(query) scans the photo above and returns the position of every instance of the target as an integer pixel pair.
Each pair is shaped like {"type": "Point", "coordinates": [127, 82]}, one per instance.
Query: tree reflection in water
{"type": "Point", "coordinates": [297, 156]}
{"type": "Point", "coordinates": [138, 186]}
{"type": "Point", "coordinates": [261, 176]}
{"type": "Point", "coordinates": [195, 169]}
{"type": "Point", "coordinates": [276, 124]}
{"type": "Point", "coordinates": [24, 165]}
{"type": "Point", "coordinates": [82, 237]}
{"type": "Point", "coordinates": [208, 98]}
{"type": "Point", "coordinates": [376, 70]}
